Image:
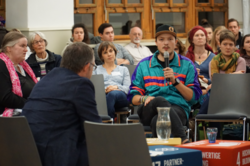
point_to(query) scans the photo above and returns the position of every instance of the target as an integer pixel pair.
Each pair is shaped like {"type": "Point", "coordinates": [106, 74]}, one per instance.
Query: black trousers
{"type": "Point", "coordinates": [148, 116]}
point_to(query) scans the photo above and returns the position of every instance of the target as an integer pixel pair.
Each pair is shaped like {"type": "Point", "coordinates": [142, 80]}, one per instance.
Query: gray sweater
{"type": "Point", "coordinates": [119, 76]}
{"type": "Point", "coordinates": [122, 53]}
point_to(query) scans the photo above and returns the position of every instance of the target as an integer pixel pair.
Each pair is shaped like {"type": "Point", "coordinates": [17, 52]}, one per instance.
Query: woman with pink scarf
{"type": "Point", "coordinates": [17, 78]}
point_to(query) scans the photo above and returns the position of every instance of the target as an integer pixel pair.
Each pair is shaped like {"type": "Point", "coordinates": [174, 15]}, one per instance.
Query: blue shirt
{"type": "Point", "coordinates": [119, 76]}
{"type": "Point", "coordinates": [204, 67]}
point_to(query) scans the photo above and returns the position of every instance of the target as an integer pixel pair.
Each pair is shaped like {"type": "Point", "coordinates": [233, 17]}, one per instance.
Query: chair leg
{"type": "Point", "coordinates": [247, 131]}
{"type": "Point", "coordinates": [204, 132]}
{"type": "Point", "coordinates": [195, 130]}
{"type": "Point", "coordinates": [244, 130]}
{"type": "Point", "coordinates": [118, 118]}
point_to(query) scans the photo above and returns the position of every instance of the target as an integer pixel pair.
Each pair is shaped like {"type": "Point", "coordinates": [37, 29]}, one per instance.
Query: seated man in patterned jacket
{"type": "Point", "coordinates": [149, 87]}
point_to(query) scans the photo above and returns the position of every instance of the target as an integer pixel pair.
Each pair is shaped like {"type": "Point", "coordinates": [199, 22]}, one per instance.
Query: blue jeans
{"type": "Point", "coordinates": [116, 99]}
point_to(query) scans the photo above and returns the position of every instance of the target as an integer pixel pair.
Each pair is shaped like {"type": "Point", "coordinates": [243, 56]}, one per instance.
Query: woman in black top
{"type": "Point", "coordinates": [17, 78]}
{"type": "Point", "coordinates": [42, 61]}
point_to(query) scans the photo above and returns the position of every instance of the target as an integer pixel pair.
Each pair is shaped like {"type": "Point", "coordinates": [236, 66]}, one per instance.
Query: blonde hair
{"type": "Point", "coordinates": [214, 44]}
{"type": "Point", "coordinates": [10, 39]}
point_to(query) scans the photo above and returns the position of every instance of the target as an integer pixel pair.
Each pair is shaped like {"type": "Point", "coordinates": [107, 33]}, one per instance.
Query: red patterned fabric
{"type": "Point", "coordinates": [16, 86]}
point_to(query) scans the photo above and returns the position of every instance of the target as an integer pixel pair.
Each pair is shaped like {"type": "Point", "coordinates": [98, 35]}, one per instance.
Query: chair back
{"type": "Point", "coordinates": [17, 145]}
{"type": "Point", "coordinates": [100, 95]}
{"type": "Point", "coordinates": [116, 144]}
{"type": "Point", "coordinates": [230, 94]}
{"type": "Point", "coordinates": [131, 69]}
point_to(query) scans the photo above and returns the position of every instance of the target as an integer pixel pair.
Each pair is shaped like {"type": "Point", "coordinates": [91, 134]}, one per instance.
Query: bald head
{"type": "Point", "coordinates": [135, 35]}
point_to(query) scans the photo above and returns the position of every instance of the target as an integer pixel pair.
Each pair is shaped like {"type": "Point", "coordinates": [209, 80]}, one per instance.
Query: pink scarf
{"type": "Point", "coordinates": [16, 86]}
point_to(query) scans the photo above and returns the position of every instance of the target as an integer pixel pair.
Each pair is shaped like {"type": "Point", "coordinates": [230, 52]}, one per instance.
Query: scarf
{"type": "Point", "coordinates": [219, 63]}
{"type": "Point", "coordinates": [16, 85]}
{"type": "Point", "coordinates": [190, 53]}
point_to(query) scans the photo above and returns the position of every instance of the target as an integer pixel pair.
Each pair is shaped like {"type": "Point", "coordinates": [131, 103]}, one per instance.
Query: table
{"type": "Point", "coordinates": [223, 152]}
{"type": "Point", "coordinates": [169, 142]}
{"type": "Point", "coordinates": [162, 155]}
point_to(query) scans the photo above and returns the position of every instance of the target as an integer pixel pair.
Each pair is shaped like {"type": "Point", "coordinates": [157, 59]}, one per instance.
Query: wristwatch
{"type": "Point", "coordinates": [177, 81]}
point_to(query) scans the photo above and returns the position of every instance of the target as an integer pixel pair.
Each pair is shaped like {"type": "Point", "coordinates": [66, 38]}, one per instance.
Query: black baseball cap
{"type": "Point", "coordinates": [165, 29]}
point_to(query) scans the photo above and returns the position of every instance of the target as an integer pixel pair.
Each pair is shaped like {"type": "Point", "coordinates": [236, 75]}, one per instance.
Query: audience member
{"type": "Point", "coordinates": [150, 90]}
{"type": "Point", "coordinates": [79, 34]}
{"type": "Point", "coordinates": [17, 78]}
{"type": "Point", "coordinates": [42, 61]}
{"type": "Point", "coordinates": [28, 49]}
{"type": "Point", "coordinates": [199, 52]}
{"type": "Point", "coordinates": [205, 24]}
{"type": "Point", "coordinates": [227, 61]}
{"type": "Point", "coordinates": [245, 49]}
{"type": "Point", "coordinates": [137, 51]}
{"type": "Point", "coordinates": [215, 43]}
{"type": "Point", "coordinates": [180, 48]}
{"type": "Point", "coordinates": [116, 78]}
{"type": "Point", "coordinates": [58, 106]}
{"type": "Point", "coordinates": [233, 26]}
{"type": "Point", "coordinates": [106, 33]}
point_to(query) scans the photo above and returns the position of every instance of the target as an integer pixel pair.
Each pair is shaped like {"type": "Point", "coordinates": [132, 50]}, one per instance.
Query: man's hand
{"type": "Point", "coordinates": [122, 61]}
{"type": "Point", "coordinates": [111, 88]}
{"type": "Point", "coordinates": [149, 98]}
{"type": "Point", "coordinates": [169, 73]}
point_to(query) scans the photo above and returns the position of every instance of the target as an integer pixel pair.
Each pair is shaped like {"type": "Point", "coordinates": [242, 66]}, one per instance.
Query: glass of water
{"type": "Point", "coordinates": [212, 134]}
{"type": "Point", "coordinates": [163, 123]}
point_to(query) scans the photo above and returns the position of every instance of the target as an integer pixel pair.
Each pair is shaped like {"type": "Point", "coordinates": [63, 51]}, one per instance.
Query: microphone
{"type": "Point", "coordinates": [166, 57]}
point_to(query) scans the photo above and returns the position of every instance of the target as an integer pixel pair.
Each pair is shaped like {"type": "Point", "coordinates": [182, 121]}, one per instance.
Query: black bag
{"type": "Point", "coordinates": [232, 132]}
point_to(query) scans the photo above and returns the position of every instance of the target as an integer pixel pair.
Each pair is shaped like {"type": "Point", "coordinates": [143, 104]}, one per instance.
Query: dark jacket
{"type": "Point", "coordinates": [53, 61]}
{"type": "Point", "coordinates": [238, 41]}
{"type": "Point", "coordinates": [56, 109]}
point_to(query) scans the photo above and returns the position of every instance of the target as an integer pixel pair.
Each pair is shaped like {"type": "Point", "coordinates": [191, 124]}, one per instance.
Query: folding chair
{"type": "Point", "coordinates": [17, 145]}
{"type": "Point", "coordinates": [100, 97]}
{"type": "Point", "coordinates": [117, 144]}
{"type": "Point", "coordinates": [229, 101]}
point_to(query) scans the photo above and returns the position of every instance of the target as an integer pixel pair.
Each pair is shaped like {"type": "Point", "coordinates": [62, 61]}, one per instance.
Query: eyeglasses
{"type": "Point", "coordinates": [37, 42]}
{"type": "Point", "coordinates": [95, 67]}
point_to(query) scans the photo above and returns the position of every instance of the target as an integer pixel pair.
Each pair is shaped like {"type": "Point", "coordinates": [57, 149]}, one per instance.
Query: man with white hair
{"type": "Point", "coordinates": [137, 51]}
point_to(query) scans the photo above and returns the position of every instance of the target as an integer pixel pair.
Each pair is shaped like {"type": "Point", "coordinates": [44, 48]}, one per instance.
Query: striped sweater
{"type": "Point", "coordinates": [148, 79]}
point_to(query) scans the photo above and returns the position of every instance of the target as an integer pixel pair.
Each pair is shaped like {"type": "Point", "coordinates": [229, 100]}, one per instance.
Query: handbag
{"type": "Point", "coordinates": [232, 132]}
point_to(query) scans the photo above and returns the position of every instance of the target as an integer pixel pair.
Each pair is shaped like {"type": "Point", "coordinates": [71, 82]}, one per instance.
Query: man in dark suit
{"type": "Point", "coordinates": [59, 104]}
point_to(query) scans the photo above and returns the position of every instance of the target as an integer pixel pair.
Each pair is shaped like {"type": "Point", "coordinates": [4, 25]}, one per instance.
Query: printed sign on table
{"type": "Point", "coordinates": [172, 156]}
{"type": "Point", "coordinates": [229, 153]}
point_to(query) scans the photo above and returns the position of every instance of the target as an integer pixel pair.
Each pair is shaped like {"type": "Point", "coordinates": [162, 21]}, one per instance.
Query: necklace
{"type": "Point", "coordinates": [201, 54]}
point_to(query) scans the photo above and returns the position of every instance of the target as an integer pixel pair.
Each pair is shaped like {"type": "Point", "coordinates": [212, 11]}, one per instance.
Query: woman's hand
{"type": "Point", "coordinates": [111, 88]}
{"type": "Point", "coordinates": [239, 72]}
{"type": "Point", "coordinates": [149, 98]}
{"type": "Point", "coordinates": [205, 80]}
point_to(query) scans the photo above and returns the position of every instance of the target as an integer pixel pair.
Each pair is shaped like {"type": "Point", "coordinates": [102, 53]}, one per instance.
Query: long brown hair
{"type": "Point", "coordinates": [213, 42]}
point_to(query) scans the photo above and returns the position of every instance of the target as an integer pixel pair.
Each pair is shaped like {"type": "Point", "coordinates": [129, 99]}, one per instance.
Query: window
{"type": "Point", "coordinates": [148, 14]}
{"type": "Point", "coordinates": [216, 12]}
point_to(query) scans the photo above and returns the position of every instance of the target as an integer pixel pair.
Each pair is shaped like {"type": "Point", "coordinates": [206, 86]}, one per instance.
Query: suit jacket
{"type": "Point", "coordinates": [56, 109]}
